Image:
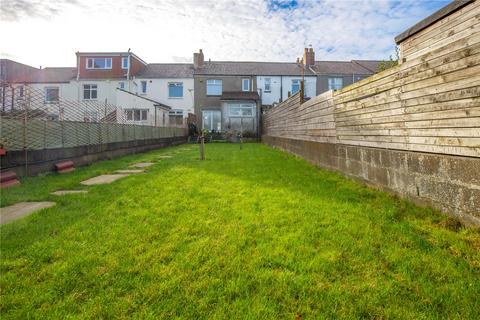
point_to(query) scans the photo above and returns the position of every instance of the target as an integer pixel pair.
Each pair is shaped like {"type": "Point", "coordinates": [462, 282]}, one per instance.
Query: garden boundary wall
{"type": "Point", "coordinates": [413, 129]}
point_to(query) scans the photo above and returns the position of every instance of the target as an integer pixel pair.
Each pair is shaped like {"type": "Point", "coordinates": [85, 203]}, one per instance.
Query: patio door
{"type": "Point", "coordinates": [212, 120]}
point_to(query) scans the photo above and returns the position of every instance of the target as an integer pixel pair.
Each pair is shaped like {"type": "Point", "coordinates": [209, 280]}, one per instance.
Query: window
{"type": "Point", "coordinates": [295, 85]}
{"type": "Point", "coordinates": [121, 85]}
{"type": "Point", "coordinates": [175, 90]}
{"type": "Point", "coordinates": [267, 83]}
{"type": "Point", "coordinates": [99, 63]}
{"type": "Point", "coordinates": [245, 84]}
{"type": "Point", "coordinates": [212, 120]}
{"type": "Point", "coordinates": [136, 114]}
{"type": "Point", "coordinates": [124, 62]}
{"type": "Point", "coordinates": [335, 83]}
{"type": "Point", "coordinates": [51, 95]}
{"type": "Point", "coordinates": [214, 87]}
{"type": "Point", "coordinates": [240, 110]}
{"type": "Point", "coordinates": [143, 85]}
{"type": "Point", "coordinates": [176, 117]}
{"type": "Point", "coordinates": [90, 92]}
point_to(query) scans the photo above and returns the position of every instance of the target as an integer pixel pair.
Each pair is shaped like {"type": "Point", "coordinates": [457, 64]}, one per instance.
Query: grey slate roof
{"type": "Point", "coordinates": [371, 65]}
{"type": "Point", "coordinates": [342, 67]}
{"type": "Point", "coordinates": [252, 68]}
{"type": "Point", "coordinates": [167, 70]}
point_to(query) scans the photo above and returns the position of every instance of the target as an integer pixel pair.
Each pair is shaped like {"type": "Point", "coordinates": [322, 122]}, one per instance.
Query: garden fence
{"type": "Point", "coordinates": [36, 119]}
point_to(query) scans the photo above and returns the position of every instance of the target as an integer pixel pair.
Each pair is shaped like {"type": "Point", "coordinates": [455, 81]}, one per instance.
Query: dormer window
{"type": "Point", "coordinates": [99, 63]}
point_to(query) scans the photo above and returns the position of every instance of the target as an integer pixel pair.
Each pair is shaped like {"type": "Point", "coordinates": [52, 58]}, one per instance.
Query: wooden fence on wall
{"type": "Point", "coordinates": [428, 103]}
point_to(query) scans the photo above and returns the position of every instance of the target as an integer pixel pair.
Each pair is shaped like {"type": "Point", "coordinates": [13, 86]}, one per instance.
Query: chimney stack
{"type": "Point", "coordinates": [198, 59]}
{"type": "Point", "coordinates": [308, 57]}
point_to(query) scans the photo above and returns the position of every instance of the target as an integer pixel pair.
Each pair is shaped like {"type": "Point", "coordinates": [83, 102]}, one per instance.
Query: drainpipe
{"type": "Point", "coordinates": [128, 69]}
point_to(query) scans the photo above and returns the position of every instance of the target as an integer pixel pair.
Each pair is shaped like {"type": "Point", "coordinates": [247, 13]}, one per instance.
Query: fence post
{"type": "Point", "coordinates": [25, 120]}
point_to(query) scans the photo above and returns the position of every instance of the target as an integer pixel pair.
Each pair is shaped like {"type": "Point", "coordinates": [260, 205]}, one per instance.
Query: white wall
{"type": "Point", "coordinates": [284, 83]}
{"type": "Point", "coordinates": [157, 89]}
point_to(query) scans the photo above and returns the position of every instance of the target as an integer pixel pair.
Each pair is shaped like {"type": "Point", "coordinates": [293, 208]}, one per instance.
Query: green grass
{"type": "Point", "coordinates": [246, 234]}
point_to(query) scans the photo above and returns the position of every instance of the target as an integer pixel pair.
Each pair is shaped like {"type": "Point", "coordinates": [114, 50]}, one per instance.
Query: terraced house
{"type": "Point", "coordinates": [224, 95]}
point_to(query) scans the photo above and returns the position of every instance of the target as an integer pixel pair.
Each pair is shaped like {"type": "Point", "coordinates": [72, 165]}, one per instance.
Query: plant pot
{"type": "Point", "coordinates": [3, 152]}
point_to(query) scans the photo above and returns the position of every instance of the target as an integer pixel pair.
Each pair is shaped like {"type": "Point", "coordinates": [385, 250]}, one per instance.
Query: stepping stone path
{"type": "Point", "coordinates": [103, 179]}
{"type": "Point", "coordinates": [164, 157]}
{"type": "Point", "coordinates": [130, 171]}
{"type": "Point", "coordinates": [142, 164]}
{"type": "Point", "coordinates": [64, 192]}
{"type": "Point", "coordinates": [22, 209]}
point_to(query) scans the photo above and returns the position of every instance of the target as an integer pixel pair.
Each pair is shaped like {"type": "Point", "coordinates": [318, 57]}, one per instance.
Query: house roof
{"type": "Point", "coordinates": [19, 72]}
{"type": "Point", "coordinates": [53, 75]}
{"type": "Point", "coordinates": [371, 65]}
{"type": "Point", "coordinates": [167, 70]}
{"type": "Point", "coordinates": [239, 95]}
{"type": "Point", "coordinates": [342, 67]}
{"type": "Point", "coordinates": [156, 103]}
{"type": "Point", "coordinates": [428, 21]}
{"type": "Point", "coordinates": [241, 68]}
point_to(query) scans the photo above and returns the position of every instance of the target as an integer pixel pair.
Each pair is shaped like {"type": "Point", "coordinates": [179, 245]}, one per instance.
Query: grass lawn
{"type": "Point", "coordinates": [246, 234]}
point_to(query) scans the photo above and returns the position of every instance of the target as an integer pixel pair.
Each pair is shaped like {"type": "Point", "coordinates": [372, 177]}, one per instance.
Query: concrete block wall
{"type": "Point", "coordinates": [448, 183]}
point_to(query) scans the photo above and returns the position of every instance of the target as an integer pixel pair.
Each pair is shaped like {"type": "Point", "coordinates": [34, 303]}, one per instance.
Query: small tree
{"type": "Point", "coordinates": [387, 64]}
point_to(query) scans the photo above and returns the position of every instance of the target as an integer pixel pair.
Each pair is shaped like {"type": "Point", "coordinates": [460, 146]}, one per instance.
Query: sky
{"type": "Point", "coordinates": [47, 33]}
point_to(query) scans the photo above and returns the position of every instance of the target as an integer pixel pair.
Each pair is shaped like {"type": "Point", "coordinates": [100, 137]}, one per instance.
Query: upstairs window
{"type": "Point", "coordinates": [175, 90]}
{"type": "Point", "coordinates": [52, 95]}
{"type": "Point", "coordinates": [214, 87]}
{"type": "Point", "coordinates": [143, 86]}
{"type": "Point", "coordinates": [99, 63]}
{"type": "Point", "coordinates": [335, 83]}
{"type": "Point", "coordinates": [245, 84]}
{"type": "Point", "coordinates": [267, 84]}
{"type": "Point", "coordinates": [90, 92]}
{"type": "Point", "coordinates": [124, 62]}
{"type": "Point", "coordinates": [295, 86]}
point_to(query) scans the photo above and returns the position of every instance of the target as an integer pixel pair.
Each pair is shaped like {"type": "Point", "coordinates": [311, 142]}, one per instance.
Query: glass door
{"type": "Point", "coordinates": [212, 120]}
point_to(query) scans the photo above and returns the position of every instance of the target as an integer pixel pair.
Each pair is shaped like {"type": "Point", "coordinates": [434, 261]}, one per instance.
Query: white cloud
{"type": "Point", "coordinates": [49, 32]}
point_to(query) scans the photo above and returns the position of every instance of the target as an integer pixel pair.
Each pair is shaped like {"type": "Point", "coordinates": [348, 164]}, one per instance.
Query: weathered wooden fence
{"type": "Point", "coordinates": [413, 129]}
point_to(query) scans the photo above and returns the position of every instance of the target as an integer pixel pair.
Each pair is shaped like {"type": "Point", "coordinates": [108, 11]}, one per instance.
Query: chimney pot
{"type": "Point", "coordinates": [309, 57]}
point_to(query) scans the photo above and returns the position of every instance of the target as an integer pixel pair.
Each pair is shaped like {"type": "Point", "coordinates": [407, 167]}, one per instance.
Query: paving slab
{"type": "Point", "coordinates": [64, 192]}
{"type": "Point", "coordinates": [142, 164]}
{"type": "Point", "coordinates": [130, 171]}
{"type": "Point", "coordinates": [103, 179]}
{"type": "Point", "coordinates": [22, 209]}
{"type": "Point", "coordinates": [165, 157]}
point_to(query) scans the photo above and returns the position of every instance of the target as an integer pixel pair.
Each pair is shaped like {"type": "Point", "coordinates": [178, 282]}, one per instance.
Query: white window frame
{"type": "Point", "coordinates": [240, 107]}
{"type": "Point", "coordinates": [214, 82]}
{"type": "Point", "coordinates": [91, 88]}
{"type": "Point", "coordinates": [90, 63]}
{"type": "Point", "coordinates": [125, 64]}
{"type": "Point", "coordinates": [133, 113]}
{"type": "Point", "coordinates": [176, 84]}
{"type": "Point", "coordinates": [333, 85]}
{"type": "Point", "coordinates": [246, 87]}
{"type": "Point", "coordinates": [143, 89]}
{"type": "Point", "coordinates": [51, 88]}
{"type": "Point", "coordinates": [269, 82]}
